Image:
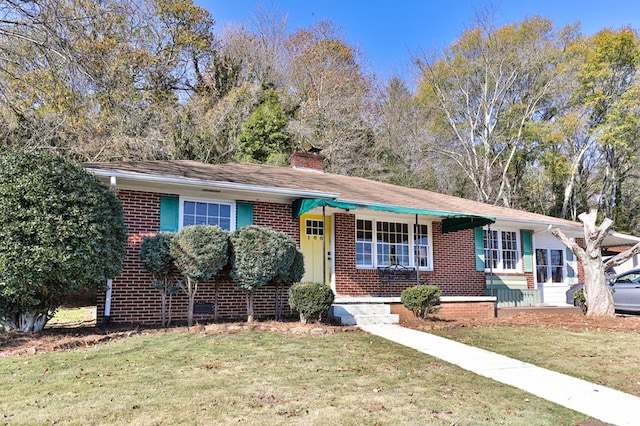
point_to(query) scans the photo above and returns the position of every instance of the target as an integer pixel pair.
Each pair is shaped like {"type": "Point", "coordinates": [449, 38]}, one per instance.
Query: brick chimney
{"type": "Point", "coordinates": [308, 160]}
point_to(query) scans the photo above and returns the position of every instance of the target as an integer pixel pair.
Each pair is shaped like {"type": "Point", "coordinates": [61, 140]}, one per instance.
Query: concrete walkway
{"type": "Point", "coordinates": [602, 403]}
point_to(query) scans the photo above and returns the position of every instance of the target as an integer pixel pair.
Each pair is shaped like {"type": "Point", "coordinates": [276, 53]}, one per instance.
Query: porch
{"type": "Point", "coordinates": [511, 292]}
{"type": "Point", "coordinates": [368, 310]}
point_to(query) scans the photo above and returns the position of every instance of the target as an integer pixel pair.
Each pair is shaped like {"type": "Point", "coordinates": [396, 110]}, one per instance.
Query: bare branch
{"type": "Point", "coordinates": [620, 258]}
{"type": "Point", "coordinates": [570, 243]}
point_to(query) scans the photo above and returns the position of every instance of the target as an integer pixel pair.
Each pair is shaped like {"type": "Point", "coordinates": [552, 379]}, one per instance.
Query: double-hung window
{"type": "Point", "coordinates": [207, 212]}
{"type": "Point", "coordinates": [384, 243]}
{"type": "Point", "coordinates": [501, 250]}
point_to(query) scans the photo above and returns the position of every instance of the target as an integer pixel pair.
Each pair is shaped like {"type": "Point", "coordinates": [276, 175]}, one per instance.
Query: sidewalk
{"type": "Point", "coordinates": [605, 404]}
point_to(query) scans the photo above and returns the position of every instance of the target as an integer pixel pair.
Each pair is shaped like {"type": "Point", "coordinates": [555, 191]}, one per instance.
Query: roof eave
{"type": "Point", "coordinates": [241, 187]}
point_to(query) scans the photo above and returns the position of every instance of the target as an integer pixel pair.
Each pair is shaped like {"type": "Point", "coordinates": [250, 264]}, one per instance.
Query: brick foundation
{"type": "Point", "coordinates": [454, 310]}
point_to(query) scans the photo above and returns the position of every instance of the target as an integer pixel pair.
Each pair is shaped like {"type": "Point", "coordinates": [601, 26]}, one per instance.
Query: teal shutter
{"type": "Point", "coordinates": [571, 272]}
{"type": "Point", "coordinates": [527, 251]}
{"type": "Point", "coordinates": [245, 214]}
{"type": "Point", "coordinates": [479, 244]}
{"type": "Point", "coordinates": [569, 255]}
{"type": "Point", "coordinates": [169, 211]}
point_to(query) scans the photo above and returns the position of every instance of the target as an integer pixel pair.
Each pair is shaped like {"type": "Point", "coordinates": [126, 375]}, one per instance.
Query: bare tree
{"type": "Point", "coordinates": [597, 294]}
{"type": "Point", "coordinates": [482, 93]}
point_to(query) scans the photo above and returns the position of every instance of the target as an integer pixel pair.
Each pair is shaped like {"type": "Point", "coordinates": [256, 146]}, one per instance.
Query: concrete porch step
{"type": "Point", "coordinates": [364, 313]}
{"type": "Point", "coordinates": [369, 319]}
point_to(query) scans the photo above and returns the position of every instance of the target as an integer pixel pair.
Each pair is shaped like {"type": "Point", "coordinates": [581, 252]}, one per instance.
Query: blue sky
{"type": "Point", "coordinates": [389, 32]}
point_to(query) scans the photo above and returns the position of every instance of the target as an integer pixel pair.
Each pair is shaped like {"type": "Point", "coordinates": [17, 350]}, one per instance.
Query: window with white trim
{"type": "Point", "coordinates": [421, 247]}
{"type": "Point", "coordinates": [195, 211]}
{"type": "Point", "coordinates": [392, 243]}
{"type": "Point", "coordinates": [364, 242]}
{"type": "Point", "coordinates": [501, 250]}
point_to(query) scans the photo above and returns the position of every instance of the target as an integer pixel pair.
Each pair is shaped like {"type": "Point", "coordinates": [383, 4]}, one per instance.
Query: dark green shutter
{"type": "Point", "coordinates": [478, 235]}
{"type": "Point", "coordinates": [245, 214]}
{"type": "Point", "coordinates": [527, 251]}
{"type": "Point", "coordinates": [169, 211]}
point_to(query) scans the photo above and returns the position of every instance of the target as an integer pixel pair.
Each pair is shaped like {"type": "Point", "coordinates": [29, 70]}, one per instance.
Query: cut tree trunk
{"type": "Point", "coordinates": [596, 292]}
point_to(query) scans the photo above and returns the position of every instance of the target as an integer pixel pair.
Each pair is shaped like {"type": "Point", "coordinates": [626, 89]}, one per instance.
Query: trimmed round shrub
{"type": "Point", "coordinates": [311, 300]}
{"type": "Point", "coordinates": [155, 255]}
{"type": "Point", "coordinates": [422, 300]}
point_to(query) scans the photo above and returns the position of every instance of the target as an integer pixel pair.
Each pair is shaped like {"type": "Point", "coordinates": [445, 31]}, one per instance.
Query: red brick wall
{"type": "Point", "coordinates": [453, 310]}
{"type": "Point", "coordinates": [278, 217]}
{"type": "Point", "coordinates": [453, 258]}
{"type": "Point", "coordinates": [134, 300]}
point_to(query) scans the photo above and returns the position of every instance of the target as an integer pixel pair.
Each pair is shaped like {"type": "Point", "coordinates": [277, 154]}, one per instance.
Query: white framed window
{"type": "Point", "coordinates": [382, 243]}
{"type": "Point", "coordinates": [422, 246]}
{"type": "Point", "coordinates": [502, 250]}
{"type": "Point", "coordinates": [364, 243]}
{"type": "Point", "coordinates": [202, 211]}
{"type": "Point", "coordinates": [550, 265]}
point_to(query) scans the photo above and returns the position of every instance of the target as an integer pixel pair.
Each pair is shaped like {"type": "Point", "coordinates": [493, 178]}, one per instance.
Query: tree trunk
{"type": "Point", "coordinates": [596, 292]}
{"type": "Point", "coordinates": [192, 288]}
{"type": "Point", "coordinates": [27, 322]}
{"type": "Point", "coordinates": [215, 302]}
{"type": "Point", "coordinates": [163, 298]}
{"type": "Point", "coordinates": [250, 307]}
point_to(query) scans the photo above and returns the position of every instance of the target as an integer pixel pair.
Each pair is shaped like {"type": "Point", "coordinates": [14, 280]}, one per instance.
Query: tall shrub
{"type": "Point", "coordinates": [260, 255]}
{"type": "Point", "coordinates": [200, 252]}
{"type": "Point", "coordinates": [155, 255]}
{"type": "Point", "coordinates": [61, 231]}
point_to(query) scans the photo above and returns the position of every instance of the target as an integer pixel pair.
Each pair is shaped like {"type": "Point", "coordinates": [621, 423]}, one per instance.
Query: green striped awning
{"type": "Point", "coordinates": [451, 221]}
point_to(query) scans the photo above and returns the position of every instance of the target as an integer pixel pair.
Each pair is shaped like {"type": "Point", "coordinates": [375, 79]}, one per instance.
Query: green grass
{"type": "Point", "coordinates": [83, 316]}
{"type": "Point", "coordinates": [255, 378]}
{"type": "Point", "coordinates": [604, 357]}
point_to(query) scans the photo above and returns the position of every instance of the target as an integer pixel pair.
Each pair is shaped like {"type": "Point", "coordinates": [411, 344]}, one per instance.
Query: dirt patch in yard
{"type": "Point", "coordinates": [65, 338]}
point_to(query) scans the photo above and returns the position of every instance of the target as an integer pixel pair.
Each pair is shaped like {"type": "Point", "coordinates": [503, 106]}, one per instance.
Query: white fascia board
{"type": "Point", "coordinates": [141, 177]}
{"type": "Point", "coordinates": [539, 222]}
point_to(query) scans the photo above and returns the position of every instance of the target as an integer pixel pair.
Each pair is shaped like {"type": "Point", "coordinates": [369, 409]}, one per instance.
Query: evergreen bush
{"type": "Point", "coordinates": [422, 300]}
{"type": "Point", "coordinates": [155, 255]}
{"type": "Point", "coordinates": [311, 300]}
{"type": "Point", "coordinates": [61, 231]}
{"type": "Point", "coordinates": [200, 252]}
{"type": "Point", "coordinates": [261, 256]}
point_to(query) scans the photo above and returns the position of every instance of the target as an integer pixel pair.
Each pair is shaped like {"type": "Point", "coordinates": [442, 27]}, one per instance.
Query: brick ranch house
{"type": "Point", "coordinates": [347, 228]}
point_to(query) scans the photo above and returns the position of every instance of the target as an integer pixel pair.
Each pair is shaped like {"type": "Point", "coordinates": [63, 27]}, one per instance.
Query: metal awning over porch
{"type": "Point", "coordinates": [451, 222]}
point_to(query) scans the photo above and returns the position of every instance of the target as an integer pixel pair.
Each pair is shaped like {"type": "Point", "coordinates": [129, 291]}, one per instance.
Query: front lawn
{"type": "Point", "coordinates": [345, 378]}
{"type": "Point", "coordinates": [606, 357]}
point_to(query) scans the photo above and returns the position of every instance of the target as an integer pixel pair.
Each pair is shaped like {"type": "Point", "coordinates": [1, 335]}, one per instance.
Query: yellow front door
{"type": "Point", "coordinates": [313, 232]}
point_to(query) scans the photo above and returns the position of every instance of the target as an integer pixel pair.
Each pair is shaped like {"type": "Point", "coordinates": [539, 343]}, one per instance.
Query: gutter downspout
{"type": "Point", "coordinates": [107, 298]}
